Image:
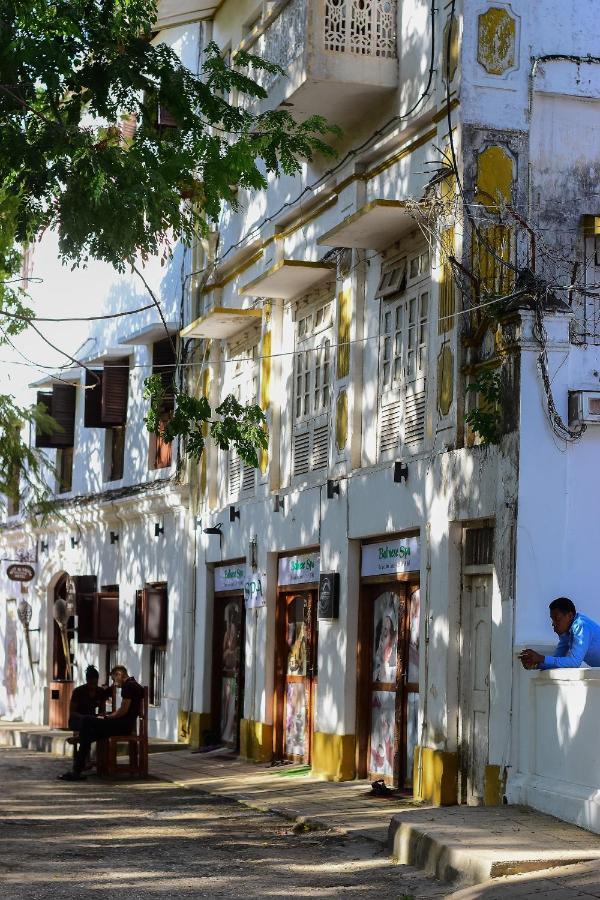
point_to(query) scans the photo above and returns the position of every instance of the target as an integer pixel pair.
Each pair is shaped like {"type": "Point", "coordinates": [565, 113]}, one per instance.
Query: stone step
{"type": "Point", "coordinates": [46, 740]}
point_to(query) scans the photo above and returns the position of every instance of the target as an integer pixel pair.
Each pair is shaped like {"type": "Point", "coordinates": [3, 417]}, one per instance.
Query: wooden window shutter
{"type": "Point", "coordinates": [164, 118]}
{"type": "Point", "coordinates": [44, 439]}
{"type": "Point", "coordinates": [115, 391]}
{"type": "Point", "coordinates": [137, 628]}
{"type": "Point", "coordinates": [92, 416]}
{"type": "Point", "coordinates": [63, 411]}
{"type": "Point", "coordinates": [107, 618]}
{"type": "Point", "coordinates": [85, 587]}
{"type": "Point", "coordinates": [154, 615]}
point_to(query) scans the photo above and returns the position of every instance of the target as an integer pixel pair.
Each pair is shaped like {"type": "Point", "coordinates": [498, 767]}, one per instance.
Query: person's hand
{"type": "Point", "coordinates": [531, 658]}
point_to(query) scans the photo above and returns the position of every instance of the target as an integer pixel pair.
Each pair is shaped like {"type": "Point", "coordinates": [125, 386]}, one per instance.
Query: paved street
{"type": "Point", "coordinates": [143, 840]}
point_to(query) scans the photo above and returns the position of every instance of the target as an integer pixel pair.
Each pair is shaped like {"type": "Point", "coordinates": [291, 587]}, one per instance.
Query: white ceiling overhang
{"type": "Point", "coordinates": [221, 322]}
{"type": "Point", "coordinates": [289, 278]}
{"type": "Point", "coordinates": [373, 227]}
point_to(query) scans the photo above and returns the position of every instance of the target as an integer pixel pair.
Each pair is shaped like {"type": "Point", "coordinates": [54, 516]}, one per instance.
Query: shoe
{"type": "Point", "coordinates": [71, 776]}
{"type": "Point", "coordinates": [380, 789]}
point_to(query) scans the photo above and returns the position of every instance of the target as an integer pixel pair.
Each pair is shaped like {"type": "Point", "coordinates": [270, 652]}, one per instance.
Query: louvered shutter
{"type": "Point", "coordinates": [154, 615]}
{"type": "Point", "coordinates": [115, 391]}
{"type": "Point", "coordinates": [164, 119]}
{"type": "Point", "coordinates": [85, 587]}
{"type": "Point", "coordinates": [42, 439]}
{"type": "Point", "coordinates": [92, 416]}
{"type": "Point", "coordinates": [107, 618]}
{"type": "Point", "coordinates": [63, 412]}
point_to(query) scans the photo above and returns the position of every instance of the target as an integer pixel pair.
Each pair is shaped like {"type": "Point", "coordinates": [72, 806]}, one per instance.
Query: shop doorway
{"type": "Point", "coordinates": [388, 689]}
{"type": "Point", "coordinates": [228, 667]}
{"type": "Point", "coordinates": [296, 674]}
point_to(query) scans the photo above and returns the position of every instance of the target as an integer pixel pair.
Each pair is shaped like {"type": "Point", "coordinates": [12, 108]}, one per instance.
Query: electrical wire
{"type": "Point", "coordinates": [116, 315]}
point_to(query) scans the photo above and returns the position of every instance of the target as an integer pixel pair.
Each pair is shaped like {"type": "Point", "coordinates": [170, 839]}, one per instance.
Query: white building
{"type": "Point", "coordinates": [355, 303]}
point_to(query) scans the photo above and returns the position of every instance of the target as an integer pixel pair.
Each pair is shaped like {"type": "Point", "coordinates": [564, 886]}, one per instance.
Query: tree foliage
{"type": "Point", "coordinates": [85, 152]}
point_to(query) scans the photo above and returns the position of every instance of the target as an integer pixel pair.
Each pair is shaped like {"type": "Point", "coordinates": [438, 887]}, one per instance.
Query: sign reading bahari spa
{"type": "Point", "coordinates": [391, 557]}
{"type": "Point", "coordinates": [299, 569]}
{"type": "Point", "coordinates": [230, 578]}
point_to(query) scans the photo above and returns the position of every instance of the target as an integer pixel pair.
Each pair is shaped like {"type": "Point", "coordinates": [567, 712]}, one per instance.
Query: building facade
{"type": "Point", "coordinates": [417, 319]}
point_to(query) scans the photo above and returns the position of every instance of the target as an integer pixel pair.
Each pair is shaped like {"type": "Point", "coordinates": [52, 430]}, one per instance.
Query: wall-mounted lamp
{"type": "Point", "coordinates": [158, 529]}
{"type": "Point", "coordinates": [233, 513]}
{"type": "Point", "coordinates": [43, 546]}
{"type": "Point", "coordinates": [114, 537]}
{"type": "Point", "coordinates": [214, 529]}
{"type": "Point", "coordinates": [278, 503]}
{"type": "Point", "coordinates": [400, 471]}
{"type": "Point", "coordinates": [253, 552]}
{"type": "Point", "coordinates": [74, 543]}
{"type": "Point", "coordinates": [333, 489]}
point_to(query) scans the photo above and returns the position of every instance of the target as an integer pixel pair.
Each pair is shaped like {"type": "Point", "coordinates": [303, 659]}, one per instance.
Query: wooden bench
{"type": "Point", "coordinates": [137, 746]}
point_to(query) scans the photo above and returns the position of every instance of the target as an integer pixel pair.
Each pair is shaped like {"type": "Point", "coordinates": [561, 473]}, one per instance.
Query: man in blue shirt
{"type": "Point", "coordinates": [579, 640]}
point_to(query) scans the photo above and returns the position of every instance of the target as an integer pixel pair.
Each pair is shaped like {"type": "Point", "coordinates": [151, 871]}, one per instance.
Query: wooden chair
{"type": "Point", "coordinates": [137, 745]}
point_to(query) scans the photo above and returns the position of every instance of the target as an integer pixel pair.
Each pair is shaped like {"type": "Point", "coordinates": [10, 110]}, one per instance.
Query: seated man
{"type": "Point", "coordinates": [579, 640]}
{"type": "Point", "coordinates": [87, 698]}
{"type": "Point", "coordinates": [122, 721]}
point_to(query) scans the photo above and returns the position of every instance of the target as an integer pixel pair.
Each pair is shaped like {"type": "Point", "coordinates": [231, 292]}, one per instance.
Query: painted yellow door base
{"type": "Point", "coordinates": [333, 756]}
{"type": "Point", "coordinates": [435, 776]}
{"type": "Point", "coordinates": [494, 786]}
{"type": "Point", "coordinates": [256, 741]}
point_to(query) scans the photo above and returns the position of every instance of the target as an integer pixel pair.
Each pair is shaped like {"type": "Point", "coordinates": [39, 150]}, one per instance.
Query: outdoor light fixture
{"type": "Point", "coordinates": [333, 489]}
{"type": "Point", "coordinates": [214, 529]}
{"type": "Point", "coordinates": [400, 471]}
{"type": "Point", "coordinates": [233, 513]}
{"type": "Point", "coordinates": [43, 546]}
{"type": "Point", "coordinates": [278, 503]}
{"type": "Point", "coordinates": [114, 537]}
{"type": "Point", "coordinates": [74, 543]}
{"type": "Point", "coordinates": [158, 529]}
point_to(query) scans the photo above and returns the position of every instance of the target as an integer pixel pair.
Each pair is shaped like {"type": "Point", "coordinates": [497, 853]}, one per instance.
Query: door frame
{"type": "Point", "coordinates": [309, 590]}
{"type": "Point", "coordinates": [221, 597]}
{"type": "Point", "coordinates": [370, 587]}
{"type": "Point", "coordinates": [465, 662]}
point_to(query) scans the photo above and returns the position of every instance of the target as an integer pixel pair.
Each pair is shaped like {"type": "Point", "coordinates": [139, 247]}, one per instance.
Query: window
{"type": "Point", "coordinates": [156, 676]}
{"type": "Point", "coordinates": [64, 470]}
{"type": "Point", "coordinates": [403, 360]}
{"type": "Point", "coordinates": [312, 389]}
{"type": "Point", "coordinates": [114, 453]}
{"type": "Point", "coordinates": [243, 384]}
{"type": "Point", "coordinates": [60, 405]}
{"type": "Point", "coordinates": [151, 615]}
{"type": "Point", "coordinates": [163, 364]}
{"type": "Point", "coordinates": [97, 613]}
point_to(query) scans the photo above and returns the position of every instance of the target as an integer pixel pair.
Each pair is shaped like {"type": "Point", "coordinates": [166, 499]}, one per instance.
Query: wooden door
{"type": "Point", "coordinates": [383, 686]}
{"type": "Point", "coordinates": [296, 675]}
{"type": "Point", "coordinates": [475, 700]}
{"type": "Point", "coordinates": [228, 668]}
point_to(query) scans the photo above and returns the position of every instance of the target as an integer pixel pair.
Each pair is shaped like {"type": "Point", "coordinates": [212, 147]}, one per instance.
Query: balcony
{"type": "Point", "coordinates": [339, 55]}
{"type": "Point", "coordinates": [180, 12]}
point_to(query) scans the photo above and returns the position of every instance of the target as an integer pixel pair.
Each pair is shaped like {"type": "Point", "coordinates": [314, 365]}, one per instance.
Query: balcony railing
{"type": "Point", "coordinates": [364, 27]}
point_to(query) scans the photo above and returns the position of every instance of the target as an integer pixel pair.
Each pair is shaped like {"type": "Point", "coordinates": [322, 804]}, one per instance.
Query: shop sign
{"type": "Point", "coordinates": [391, 557]}
{"type": "Point", "coordinates": [20, 572]}
{"type": "Point", "coordinates": [230, 578]}
{"type": "Point", "coordinates": [255, 590]}
{"type": "Point", "coordinates": [299, 569]}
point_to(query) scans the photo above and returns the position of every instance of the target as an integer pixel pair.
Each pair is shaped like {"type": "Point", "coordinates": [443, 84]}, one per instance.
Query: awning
{"type": "Point", "coordinates": [150, 333]}
{"type": "Point", "coordinates": [289, 278]}
{"type": "Point", "coordinates": [221, 322]}
{"type": "Point", "coordinates": [373, 227]}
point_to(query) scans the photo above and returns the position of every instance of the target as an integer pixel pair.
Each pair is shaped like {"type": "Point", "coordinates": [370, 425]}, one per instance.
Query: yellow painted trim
{"type": "Point", "coordinates": [435, 776]}
{"type": "Point", "coordinates": [343, 332]}
{"type": "Point", "coordinates": [341, 420]}
{"type": "Point", "coordinates": [333, 756]}
{"type": "Point", "coordinates": [192, 726]}
{"type": "Point", "coordinates": [590, 225]}
{"type": "Point", "coordinates": [494, 782]}
{"type": "Point", "coordinates": [220, 310]}
{"type": "Point", "coordinates": [284, 264]}
{"type": "Point", "coordinates": [256, 741]}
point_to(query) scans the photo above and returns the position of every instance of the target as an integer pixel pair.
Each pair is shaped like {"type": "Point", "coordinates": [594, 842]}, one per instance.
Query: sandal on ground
{"type": "Point", "coordinates": [71, 776]}
{"type": "Point", "coordinates": [380, 788]}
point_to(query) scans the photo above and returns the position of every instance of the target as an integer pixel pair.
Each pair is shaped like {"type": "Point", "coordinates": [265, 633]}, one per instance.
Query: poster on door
{"type": "Point", "coordinates": [383, 730]}
{"type": "Point", "coordinates": [385, 637]}
{"type": "Point", "coordinates": [295, 719]}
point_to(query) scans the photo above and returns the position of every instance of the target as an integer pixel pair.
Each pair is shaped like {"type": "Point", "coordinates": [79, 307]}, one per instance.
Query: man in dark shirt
{"type": "Point", "coordinates": [120, 722]}
{"type": "Point", "coordinates": [87, 698]}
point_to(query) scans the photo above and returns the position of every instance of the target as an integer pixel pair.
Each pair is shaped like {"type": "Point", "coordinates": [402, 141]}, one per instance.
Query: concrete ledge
{"type": "Point", "coordinates": [470, 845]}
{"type": "Point", "coordinates": [46, 740]}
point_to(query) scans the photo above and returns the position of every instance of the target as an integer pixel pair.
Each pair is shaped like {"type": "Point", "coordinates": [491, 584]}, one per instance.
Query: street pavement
{"type": "Point", "coordinates": [153, 839]}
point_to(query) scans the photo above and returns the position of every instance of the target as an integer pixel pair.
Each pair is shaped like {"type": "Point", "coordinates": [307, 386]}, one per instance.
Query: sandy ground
{"type": "Point", "coordinates": [132, 840]}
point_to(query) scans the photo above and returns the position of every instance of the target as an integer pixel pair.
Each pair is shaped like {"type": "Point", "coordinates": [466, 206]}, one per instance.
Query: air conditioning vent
{"type": "Point", "coordinates": [584, 406]}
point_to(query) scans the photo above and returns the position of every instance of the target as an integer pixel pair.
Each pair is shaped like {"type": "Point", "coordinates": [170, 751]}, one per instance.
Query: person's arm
{"type": "Point", "coordinates": [121, 711]}
{"type": "Point", "coordinates": [571, 649]}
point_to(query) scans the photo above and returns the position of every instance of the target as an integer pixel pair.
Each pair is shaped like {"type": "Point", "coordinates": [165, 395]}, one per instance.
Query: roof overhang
{"type": "Point", "coordinates": [179, 12]}
{"type": "Point", "coordinates": [109, 353]}
{"type": "Point", "coordinates": [373, 227]}
{"type": "Point", "coordinates": [150, 333]}
{"type": "Point", "coordinates": [221, 322]}
{"type": "Point", "coordinates": [70, 376]}
{"type": "Point", "coordinates": [289, 278]}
